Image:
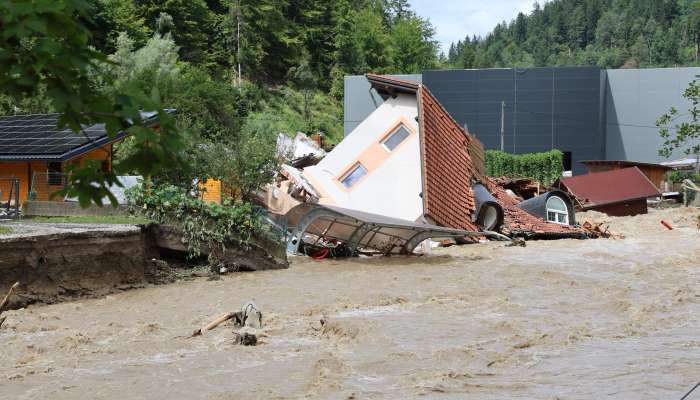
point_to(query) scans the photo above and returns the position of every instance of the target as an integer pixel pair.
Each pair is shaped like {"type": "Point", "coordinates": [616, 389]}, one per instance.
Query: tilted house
{"type": "Point", "coordinates": [408, 159]}
{"type": "Point", "coordinates": [35, 152]}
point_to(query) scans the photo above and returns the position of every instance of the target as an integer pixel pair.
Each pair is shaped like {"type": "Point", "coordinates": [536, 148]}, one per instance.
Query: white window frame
{"type": "Point", "coordinates": [557, 213]}
{"type": "Point", "coordinates": [394, 132]}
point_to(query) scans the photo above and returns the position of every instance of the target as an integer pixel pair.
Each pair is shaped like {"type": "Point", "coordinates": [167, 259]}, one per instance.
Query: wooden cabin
{"type": "Point", "coordinates": [654, 172]}
{"type": "Point", "coordinates": [35, 152]}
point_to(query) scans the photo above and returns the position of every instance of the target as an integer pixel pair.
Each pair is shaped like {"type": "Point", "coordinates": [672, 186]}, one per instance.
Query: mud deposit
{"type": "Point", "coordinates": [554, 320]}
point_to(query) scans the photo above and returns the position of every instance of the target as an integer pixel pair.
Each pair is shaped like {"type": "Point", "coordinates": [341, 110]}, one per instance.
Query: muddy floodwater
{"type": "Point", "coordinates": [567, 319]}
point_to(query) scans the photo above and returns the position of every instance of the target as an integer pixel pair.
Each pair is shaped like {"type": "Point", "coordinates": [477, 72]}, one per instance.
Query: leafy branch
{"type": "Point", "coordinates": [44, 47]}
{"type": "Point", "coordinates": [687, 133]}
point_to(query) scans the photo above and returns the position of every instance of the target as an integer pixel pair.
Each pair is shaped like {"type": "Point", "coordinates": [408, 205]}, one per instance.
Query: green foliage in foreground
{"type": "Point", "coordinates": [4, 230]}
{"type": "Point", "coordinates": [45, 51]}
{"type": "Point", "coordinates": [544, 167]}
{"type": "Point", "coordinates": [100, 219]}
{"type": "Point", "coordinates": [203, 224]}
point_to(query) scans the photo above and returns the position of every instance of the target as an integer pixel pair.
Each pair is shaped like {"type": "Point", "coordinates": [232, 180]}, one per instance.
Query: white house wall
{"type": "Point", "coordinates": [392, 186]}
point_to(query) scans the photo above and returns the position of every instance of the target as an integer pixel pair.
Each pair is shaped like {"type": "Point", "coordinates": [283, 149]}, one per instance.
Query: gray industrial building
{"type": "Point", "coordinates": [586, 112]}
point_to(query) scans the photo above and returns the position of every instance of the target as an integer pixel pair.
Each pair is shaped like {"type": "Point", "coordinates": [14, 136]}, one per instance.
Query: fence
{"type": "Point", "coordinates": [9, 197]}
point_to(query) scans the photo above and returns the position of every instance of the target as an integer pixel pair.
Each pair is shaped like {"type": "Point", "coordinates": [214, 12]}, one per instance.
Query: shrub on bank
{"type": "Point", "coordinates": [544, 167]}
{"type": "Point", "coordinates": [680, 176]}
{"type": "Point", "coordinates": [202, 223]}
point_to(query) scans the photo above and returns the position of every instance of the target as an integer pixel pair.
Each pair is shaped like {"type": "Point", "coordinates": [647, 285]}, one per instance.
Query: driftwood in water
{"type": "Point", "coordinates": [249, 316]}
{"type": "Point", "coordinates": [213, 324]}
{"type": "Point", "coordinates": [6, 300]}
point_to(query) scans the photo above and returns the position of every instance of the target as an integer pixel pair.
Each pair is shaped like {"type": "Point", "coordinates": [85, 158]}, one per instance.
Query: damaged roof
{"type": "Point", "coordinates": [610, 187]}
{"type": "Point", "coordinates": [521, 223]}
{"type": "Point", "coordinates": [445, 146]}
{"type": "Point", "coordinates": [448, 169]}
{"type": "Point", "coordinates": [387, 85]}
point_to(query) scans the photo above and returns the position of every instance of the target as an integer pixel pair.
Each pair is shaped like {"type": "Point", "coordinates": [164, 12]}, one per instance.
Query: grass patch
{"type": "Point", "coordinates": [4, 230]}
{"type": "Point", "coordinates": [105, 219]}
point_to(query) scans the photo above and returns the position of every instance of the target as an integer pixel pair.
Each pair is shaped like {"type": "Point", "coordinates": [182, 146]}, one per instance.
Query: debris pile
{"type": "Point", "coordinates": [519, 223]}
{"type": "Point", "coordinates": [599, 230]}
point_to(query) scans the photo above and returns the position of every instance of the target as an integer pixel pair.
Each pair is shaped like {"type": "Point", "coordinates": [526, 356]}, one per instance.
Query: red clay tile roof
{"type": "Point", "coordinates": [610, 187]}
{"type": "Point", "coordinates": [517, 221]}
{"type": "Point", "coordinates": [448, 169]}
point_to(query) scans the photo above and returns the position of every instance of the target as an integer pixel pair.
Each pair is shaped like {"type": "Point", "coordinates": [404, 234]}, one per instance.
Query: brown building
{"type": "Point", "coordinates": [616, 192]}
{"type": "Point", "coordinates": [654, 172]}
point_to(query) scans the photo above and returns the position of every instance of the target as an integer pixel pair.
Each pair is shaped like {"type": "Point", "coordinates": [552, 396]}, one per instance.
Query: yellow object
{"type": "Point", "coordinates": [211, 191]}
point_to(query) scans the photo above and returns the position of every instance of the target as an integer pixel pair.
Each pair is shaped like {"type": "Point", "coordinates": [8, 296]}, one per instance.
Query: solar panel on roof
{"type": "Point", "coordinates": [38, 135]}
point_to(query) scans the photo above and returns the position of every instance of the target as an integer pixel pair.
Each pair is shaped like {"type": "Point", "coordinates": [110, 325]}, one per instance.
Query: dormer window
{"type": "Point", "coordinates": [557, 212]}
{"type": "Point", "coordinates": [395, 138]}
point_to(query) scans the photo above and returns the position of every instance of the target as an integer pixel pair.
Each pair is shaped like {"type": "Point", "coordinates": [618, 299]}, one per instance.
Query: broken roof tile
{"type": "Point", "coordinates": [519, 222]}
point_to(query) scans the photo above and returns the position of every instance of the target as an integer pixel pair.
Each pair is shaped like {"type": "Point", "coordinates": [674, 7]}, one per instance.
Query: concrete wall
{"type": "Point", "coordinates": [393, 184]}
{"type": "Point", "coordinates": [634, 99]}
{"type": "Point", "coordinates": [360, 100]}
{"type": "Point", "coordinates": [64, 209]}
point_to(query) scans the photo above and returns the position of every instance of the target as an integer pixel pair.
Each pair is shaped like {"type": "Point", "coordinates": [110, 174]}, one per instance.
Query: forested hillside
{"type": "Point", "coordinates": [608, 33]}
{"type": "Point", "coordinates": [293, 55]}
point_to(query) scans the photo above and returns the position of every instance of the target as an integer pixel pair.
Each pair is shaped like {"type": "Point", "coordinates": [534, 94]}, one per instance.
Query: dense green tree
{"type": "Point", "coordinates": [413, 47]}
{"type": "Point", "coordinates": [608, 33]}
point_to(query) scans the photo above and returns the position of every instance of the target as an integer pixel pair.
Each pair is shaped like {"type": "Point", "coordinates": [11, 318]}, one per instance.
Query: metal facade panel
{"type": "Point", "coordinates": [634, 99]}
{"type": "Point", "coordinates": [546, 108]}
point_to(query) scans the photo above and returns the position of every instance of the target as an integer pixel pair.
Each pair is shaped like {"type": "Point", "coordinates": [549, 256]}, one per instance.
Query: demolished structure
{"type": "Point", "coordinates": [410, 161]}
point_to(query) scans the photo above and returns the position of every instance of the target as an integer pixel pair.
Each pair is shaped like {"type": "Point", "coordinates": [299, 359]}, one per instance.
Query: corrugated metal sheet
{"type": "Point", "coordinates": [610, 187]}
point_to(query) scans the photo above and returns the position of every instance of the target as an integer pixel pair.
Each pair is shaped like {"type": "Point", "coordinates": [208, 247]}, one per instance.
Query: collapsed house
{"type": "Point", "coordinates": [410, 161]}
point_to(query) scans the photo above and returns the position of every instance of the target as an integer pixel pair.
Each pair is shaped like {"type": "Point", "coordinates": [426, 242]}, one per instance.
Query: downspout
{"type": "Point", "coordinates": [421, 132]}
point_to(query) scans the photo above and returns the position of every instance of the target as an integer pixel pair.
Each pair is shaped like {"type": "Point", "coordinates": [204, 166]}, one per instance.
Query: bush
{"type": "Point", "coordinates": [679, 176]}
{"type": "Point", "coordinates": [202, 223]}
{"type": "Point", "coordinates": [544, 167]}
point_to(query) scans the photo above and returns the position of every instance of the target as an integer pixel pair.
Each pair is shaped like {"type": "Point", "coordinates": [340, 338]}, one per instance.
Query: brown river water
{"type": "Point", "coordinates": [564, 319]}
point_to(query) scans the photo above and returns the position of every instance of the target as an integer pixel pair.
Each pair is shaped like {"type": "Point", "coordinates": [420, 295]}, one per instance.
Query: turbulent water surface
{"type": "Point", "coordinates": [554, 320]}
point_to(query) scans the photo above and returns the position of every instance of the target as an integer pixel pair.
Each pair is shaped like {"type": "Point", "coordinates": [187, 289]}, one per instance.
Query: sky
{"type": "Point", "coordinates": [454, 19]}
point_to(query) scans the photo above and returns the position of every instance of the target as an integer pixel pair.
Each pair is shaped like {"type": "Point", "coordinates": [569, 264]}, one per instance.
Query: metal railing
{"type": "Point", "coordinates": [9, 198]}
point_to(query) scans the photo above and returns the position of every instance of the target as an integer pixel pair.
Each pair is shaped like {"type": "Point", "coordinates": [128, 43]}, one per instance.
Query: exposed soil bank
{"type": "Point", "coordinates": [567, 319]}
{"type": "Point", "coordinates": [54, 262]}
{"type": "Point", "coordinates": [65, 261]}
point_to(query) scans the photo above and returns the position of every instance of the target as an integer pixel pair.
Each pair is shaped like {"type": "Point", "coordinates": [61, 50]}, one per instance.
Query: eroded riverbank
{"type": "Point", "coordinates": [557, 319]}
